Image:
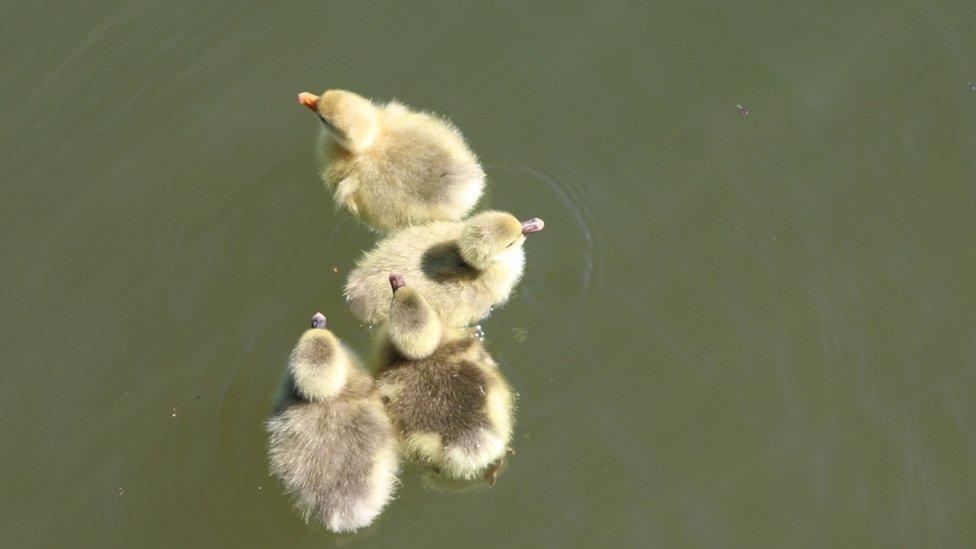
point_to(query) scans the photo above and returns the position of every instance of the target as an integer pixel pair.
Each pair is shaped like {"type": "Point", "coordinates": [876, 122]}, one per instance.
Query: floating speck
{"type": "Point", "coordinates": [121, 491]}
{"type": "Point", "coordinates": [519, 334]}
{"type": "Point", "coordinates": [743, 110]}
{"type": "Point", "coordinates": [173, 413]}
{"type": "Point", "coordinates": [335, 269]}
{"type": "Point", "coordinates": [972, 85]}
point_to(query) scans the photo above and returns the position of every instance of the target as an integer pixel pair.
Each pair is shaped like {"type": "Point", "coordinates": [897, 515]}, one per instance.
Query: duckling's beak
{"type": "Point", "coordinates": [533, 225]}
{"type": "Point", "coordinates": [397, 282]}
{"type": "Point", "coordinates": [310, 100]}
{"type": "Point", "coordinates": [318, 321]}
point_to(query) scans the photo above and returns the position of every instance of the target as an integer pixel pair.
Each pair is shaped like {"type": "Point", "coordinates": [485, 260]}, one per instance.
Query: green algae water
{"type": "Point", "coordinates": [750, 321]}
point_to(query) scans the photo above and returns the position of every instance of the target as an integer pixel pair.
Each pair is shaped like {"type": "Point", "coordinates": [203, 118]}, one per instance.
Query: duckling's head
{"type": "Point", "coordinates": [351, 119]}
{"type": "Point", "coordinates": [414, 327]}
{"type": "Point", "coordinates": [319, 364]}
{"type": "Point", "coordinates": [489, 235]}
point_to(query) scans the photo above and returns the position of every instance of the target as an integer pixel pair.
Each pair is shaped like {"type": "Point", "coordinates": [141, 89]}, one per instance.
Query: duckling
{"type": "Point", "coordinates": [393, 167]}
{"type": "Point", "coordinates": [444, 393]}
{"type": "Point", "coordinates": [330, 440]}
{"type": "Point", "coordinates": [462, 268]}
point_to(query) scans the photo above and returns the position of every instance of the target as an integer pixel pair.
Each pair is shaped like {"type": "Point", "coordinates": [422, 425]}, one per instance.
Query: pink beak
{"type": "Point", "coordinates": [318, 321]}
{"type": "Point", "coordinates": [397, 282]}
{"type": "Point", "coordinates": [310, 100]}
{"type": "Point", "coordinates": [533, 225]}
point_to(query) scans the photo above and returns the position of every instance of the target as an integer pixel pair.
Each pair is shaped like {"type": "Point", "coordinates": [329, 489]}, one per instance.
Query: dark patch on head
{"type": "Point", "coordinates": [443, 263]}
{"type": "Point", "coordinates": [409, 314]}
{"type": "Point", "coordinates": [411, 322]}
{"type": "Point", "coordinates": [316, 351]}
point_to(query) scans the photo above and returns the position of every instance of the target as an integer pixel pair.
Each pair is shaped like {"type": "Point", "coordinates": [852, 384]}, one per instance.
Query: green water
{"type": "Point", "coordinates": [736, 330]}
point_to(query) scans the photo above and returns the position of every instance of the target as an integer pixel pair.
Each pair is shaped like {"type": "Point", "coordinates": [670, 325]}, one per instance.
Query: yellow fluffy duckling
{"type": "Point", "coordinates": [444, 393]}
{"type": "Point", "coordinates": [390, 166]}
{"type": "Point", "coordinates": [330, 441]}
{"type": "Point", "coordinates": [462, 268]}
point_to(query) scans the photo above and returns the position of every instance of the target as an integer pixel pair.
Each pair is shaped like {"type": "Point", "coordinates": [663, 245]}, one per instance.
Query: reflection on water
{"type": "Point", "coordinates": [736, 330]}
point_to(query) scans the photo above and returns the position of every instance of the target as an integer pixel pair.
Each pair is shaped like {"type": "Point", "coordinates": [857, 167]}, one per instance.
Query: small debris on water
{"type": "Point", "coordinates": [520, 334]}
{"type": "Point", "coordinates": [173, 413]}
{"type": "Point", "coordinates": [335, 269]}
{"type": "Point", "coordinates": [972, 85]}
{"type": "Point", "coordinates": [121, 491]}
{"type": "Point", "coordinates": [743, 110]}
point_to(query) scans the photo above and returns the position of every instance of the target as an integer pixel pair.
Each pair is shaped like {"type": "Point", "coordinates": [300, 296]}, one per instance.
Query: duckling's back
{"type": "Point", "coordinates": [429, 257]}
{"type": "Point", "coordinates": [443, 393]}
{"type": "Point", "coordinates": [453, 407]}
{"type": "Point", "coordinates": [419, 169]}
{"type": "Point", "coordinates": [336, 457]}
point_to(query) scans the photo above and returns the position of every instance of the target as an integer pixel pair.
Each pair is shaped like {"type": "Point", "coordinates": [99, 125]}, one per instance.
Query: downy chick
{"type": "Point", "coordinates": [444, 393]}
{"type": "Point", "coordinates": [463, 268]}
{"type": "Point", "coordinates": [330, 441]}
{"type": "Point", "coordinates": [390, 166]}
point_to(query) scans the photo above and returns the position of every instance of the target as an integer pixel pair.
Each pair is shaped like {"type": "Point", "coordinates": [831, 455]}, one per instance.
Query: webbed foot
{"type": "Point", "coordinates": [491, 475]}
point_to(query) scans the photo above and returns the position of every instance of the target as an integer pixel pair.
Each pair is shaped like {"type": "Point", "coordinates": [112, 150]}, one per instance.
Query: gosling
{"type": "Point", "coordinates": [390, 166]}
{"type": "Point", "coordinates": [462, 268]}
{"type": "Point", "coordinates": [445, 395]}
{"type": "Point", "coordinates": [331, 442]}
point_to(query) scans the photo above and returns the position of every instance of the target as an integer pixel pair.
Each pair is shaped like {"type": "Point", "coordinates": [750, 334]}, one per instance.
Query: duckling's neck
{"type": "Point", "coordinates": [511, 260]}
{"type": "Point", "coordinates": [418, 342]}
{"type": "Point", "coordinates": [504, 272]}
{"type": "Point", "coordinates": [321, 383]}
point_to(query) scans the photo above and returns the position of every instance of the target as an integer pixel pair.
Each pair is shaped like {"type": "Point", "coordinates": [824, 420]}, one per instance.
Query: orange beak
{"type": "Point", "coordinates": [310, 100]}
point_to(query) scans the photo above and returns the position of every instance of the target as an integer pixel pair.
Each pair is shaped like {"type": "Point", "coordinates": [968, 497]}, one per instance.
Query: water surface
{"type": "Point", "coordinates": [736, 330]}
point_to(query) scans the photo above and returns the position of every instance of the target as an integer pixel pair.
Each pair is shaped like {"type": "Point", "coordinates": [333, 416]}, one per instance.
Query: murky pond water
{"type": "Point", "coordinates": [751, 320]}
